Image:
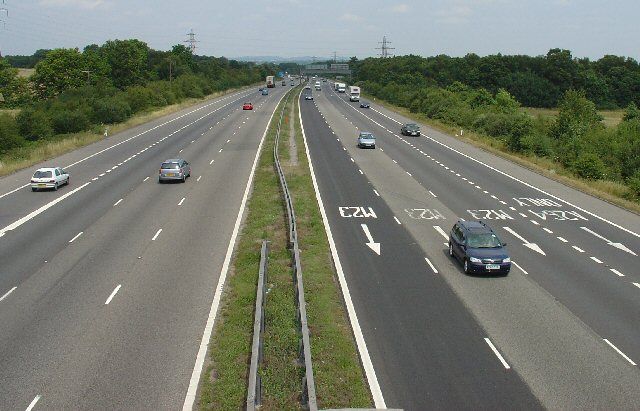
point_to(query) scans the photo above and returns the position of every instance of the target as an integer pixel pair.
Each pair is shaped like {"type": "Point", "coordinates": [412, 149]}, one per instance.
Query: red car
{"type": "Point", "coordinates": [247, 106]}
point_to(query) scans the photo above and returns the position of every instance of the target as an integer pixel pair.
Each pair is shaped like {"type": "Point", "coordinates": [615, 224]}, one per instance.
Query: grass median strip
{"type": "Point", "coordinates": [339, 378]}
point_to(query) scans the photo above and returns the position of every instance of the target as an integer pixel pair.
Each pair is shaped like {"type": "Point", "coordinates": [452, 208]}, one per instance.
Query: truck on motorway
{"type": "Point", "coordinates": [270, 82]}
{"type": "Point", "coordinates": [318, 86]}
{"type": "Point", "coordinates": [354, 93]}
{"type": "Point", "coordinates": [341, 87]}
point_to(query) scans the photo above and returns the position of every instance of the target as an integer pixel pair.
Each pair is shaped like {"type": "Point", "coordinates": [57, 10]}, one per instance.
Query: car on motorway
{"type": "Point", "coordinates": [365, 104]}
{"type": "Point", "coordinates": [174, 169]}
{"type": "Point", "coordinates": [307, 87]}
{"type": "Point", "coordinates": [366, 140]}
{"type": "Point", "coordinates": [410, 129]}
{"type": "Point", "coordinates": [247, 106]}
{"type": "Point", "coordinates": [261, 88]}
{"type": "Point", "coordinates": [308, 97]}
{"type": "Point", "coordinates": [265, 92]}
{"type": "Point", "coordinates": [292, 83]}
{"type": "Point", "coordinates": [49, 177]}
{"type": "Point", "coordinates": [479, 249]}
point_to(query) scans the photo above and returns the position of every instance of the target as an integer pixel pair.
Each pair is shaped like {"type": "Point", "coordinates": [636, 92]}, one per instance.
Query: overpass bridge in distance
{"type": "Point", "coordinates": [335, 68]}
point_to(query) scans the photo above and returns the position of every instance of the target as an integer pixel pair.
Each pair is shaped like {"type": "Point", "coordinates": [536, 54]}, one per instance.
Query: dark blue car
{"type": "Point", "coordinates": [478, 248]}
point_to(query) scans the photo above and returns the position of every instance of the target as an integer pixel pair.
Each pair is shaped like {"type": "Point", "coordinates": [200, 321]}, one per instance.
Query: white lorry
{"type": "Point", "coordinates": [354, 93]}
{"type": "Point", "coordinates": [341, 87]}
{"type": "Point", "coordinates": [318, 88]}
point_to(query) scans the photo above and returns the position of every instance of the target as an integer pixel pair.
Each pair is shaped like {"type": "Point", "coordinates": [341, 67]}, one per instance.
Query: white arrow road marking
{"type": "Point", "coordinates": [527, 244]}
{"type": "Point", "coordinates": [611, 243]}
{"type": "Point", "coordinates": [370, 243]}
{"type": "Point", "coordinates": [441, 231]}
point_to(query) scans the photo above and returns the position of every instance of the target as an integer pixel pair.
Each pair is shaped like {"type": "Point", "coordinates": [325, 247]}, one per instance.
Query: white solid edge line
{"type": "Point", "coordinates": [33, 402]}
{"type": "Point", "coordinates": [497, 353]}
{"type": "Point", "coordinates": [113, 294]}
{"type": "Point", "coordinates": [190, 397]}
{"type": "Point", "coordinates": [619, 352]}
{"type": "Point", "coordinates": [40, 210]}
{"type": "Point", "coordinates": [7, 293]}
{"type": "Point", "coordinates": [431, 265]}
{"type": "Point", "coordinates": [520, 268]}
{"type": "Point", "coordinates": [370, 373]}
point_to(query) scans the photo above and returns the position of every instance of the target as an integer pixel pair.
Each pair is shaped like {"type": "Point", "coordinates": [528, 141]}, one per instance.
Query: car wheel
{"type": "Point", "coordinates": [67, 183]}
{"type": "Point", "coordinates": [160, 181]}
{"type": "Point", "coordinates": [55, 186]}
{"type": "Point", "coordinates": [466, 266]}
{"type": "Point", "coordinates": [184, 178]}
{"type": "Point", "coordinates": [450, 250]}
{"type": "Point", "coordinates": [34, 189]}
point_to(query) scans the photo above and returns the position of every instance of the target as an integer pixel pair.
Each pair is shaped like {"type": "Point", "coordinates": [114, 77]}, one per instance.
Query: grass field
{"type": "Point", "coordinates": [611, 117]}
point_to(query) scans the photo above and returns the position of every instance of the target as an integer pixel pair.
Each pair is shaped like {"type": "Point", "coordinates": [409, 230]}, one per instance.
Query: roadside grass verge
{"type": "Point", "coordinates": [611, 118]}
{"type": "Point", "coordinates": [339, 377]}
{"type": "Point", "coordinates": [610, 191]}
{"type": "Point", "coordinates": [223, 386]}
{"type": "Point", "coordinates": [43, 150]}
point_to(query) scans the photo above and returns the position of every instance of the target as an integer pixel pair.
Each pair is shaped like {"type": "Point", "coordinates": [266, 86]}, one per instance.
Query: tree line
{"type": "Point", "coordinates": [72, 90]}
{"type": "Point", "coordinates": [576, 138]}
{"type": "Point", "coordinates": [541, 81]}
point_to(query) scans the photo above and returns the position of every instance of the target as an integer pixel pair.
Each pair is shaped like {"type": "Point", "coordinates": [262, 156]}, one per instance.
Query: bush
{"type": "Point", "coordinates": [590, 166]}
{"type": "Point", "coordinates": [111, 110]}
{"type": "Point", "coordinates": [633, 183]}
{"type": "Point", "coordinates": [537, 143]}
{"type": "Point", "coordinates": [69, 121]}
{"type": "Point", "coordinates": [139, 98]}
{"type": "Point", "coordinates": [9, 134]}
{"type": "Point", "coordinates": [34, 124]}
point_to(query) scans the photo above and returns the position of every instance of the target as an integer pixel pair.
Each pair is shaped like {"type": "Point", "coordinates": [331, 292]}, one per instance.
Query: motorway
{"type": "Point", "coordinates": [106, 285]}
{"type": "Point", "coordinates": [561, 331]}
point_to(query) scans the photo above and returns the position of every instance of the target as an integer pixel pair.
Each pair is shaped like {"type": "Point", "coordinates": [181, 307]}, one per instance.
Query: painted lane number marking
{"type": "Point", "coordinates": [424, 214]}
{"type": "Point", "coordinates": [357, 212]}
{"type": "Point", "coordinates": [489, 215]}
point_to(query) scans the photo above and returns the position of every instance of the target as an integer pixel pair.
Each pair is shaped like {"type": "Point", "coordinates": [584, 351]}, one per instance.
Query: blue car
{"type": "Point", "coordinates": [265, 92]}
{"type": "Point", "coordinates": [478, 248]}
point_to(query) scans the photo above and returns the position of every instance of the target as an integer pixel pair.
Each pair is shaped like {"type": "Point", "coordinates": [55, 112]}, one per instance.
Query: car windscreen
{"type": "Point", "coordinates": [169, 166]}
{"type": "Point", "coordinates": [367, 136]}
{"type": "Point", "coordinates": [412, 126]}
{"type": "Point", "coordinates": [483, 240]}
{"type": "Point", "coordinates": [43, 174]}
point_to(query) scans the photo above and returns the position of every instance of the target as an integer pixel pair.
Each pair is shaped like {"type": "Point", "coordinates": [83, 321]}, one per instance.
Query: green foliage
{"type": "Point", "coordinates": [127, 60]}
{"type": "Point", "coordinates": [111, 110]}
{"type": "Point", "coordinates": [60, 70]}
{"type": "Point", "coordinates": [589, 165]}
{"type": "Point", "coordinates": [9, 134]}
{"type": "Point", "coordinates": [69, 121]}
{"type": "Point", "coordinates": [34, 124]}
{"type": "Point", "coordinates": [533, 81]}
{"type": "Point", "coordinates": [634, 185]}
{"type": "Point", "coordinates": [15, 90]}
{"type": "Point", "coordinates": [632, 112]}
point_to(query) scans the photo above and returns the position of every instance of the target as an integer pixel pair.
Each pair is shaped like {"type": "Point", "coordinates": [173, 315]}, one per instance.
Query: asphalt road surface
{"type": "Point", "coordinates": [106, 284]}
{"type": "Point", "coordinates": [561, 331]}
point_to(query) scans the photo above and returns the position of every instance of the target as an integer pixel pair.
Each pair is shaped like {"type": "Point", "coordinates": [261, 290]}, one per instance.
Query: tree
{"type": "Point", "coordinates": [127, 60]}
{"type": "Point", "coordinates": [15, 90]}
{"type": "Point", "coordinates": [60, 70]}
{"type": "Point", "coordinates": [632, 112]}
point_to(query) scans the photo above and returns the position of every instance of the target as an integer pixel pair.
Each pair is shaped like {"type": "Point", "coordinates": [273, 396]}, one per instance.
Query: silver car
{"type": "Point", "coordinates": [175, 169]}
{"type": "Point", "coordinates": [366, 140]}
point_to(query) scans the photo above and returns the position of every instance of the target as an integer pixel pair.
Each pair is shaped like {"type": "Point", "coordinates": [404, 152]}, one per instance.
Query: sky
{"type": "Point", "coordinates": [293, 28]}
